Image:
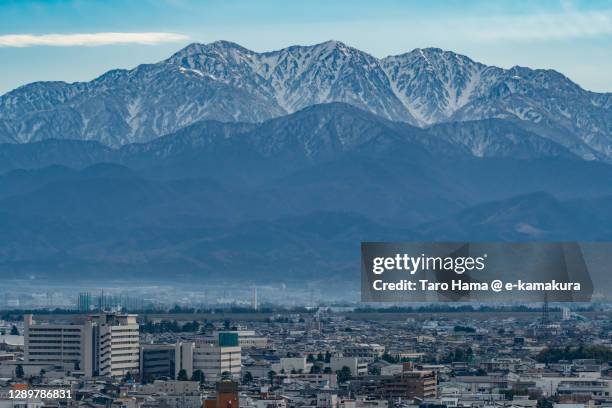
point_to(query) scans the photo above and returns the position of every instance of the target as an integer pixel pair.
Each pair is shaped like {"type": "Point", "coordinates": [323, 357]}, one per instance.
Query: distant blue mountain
{"type": "Point", "coordinates": [295, 193]}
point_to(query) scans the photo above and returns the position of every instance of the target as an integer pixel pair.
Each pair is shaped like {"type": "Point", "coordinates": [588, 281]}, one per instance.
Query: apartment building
{"type": "Point", "coordinates": [327, 399]}
{"type": "Point", "coordinates": [585, 387]}
{"type": "Point", "coordinates": [158, 360]}
{"type": "Point", "coordinates": [117, 343]}
{"type": "Point", "coordinates": [357, 366]}
{"type": "Point", "coordinates": [409, 384]}
{"type": "Point", "coordinates": [368, 352]}
{"type": "Point", "coordinates": [246, 338]}
{"type": "Point", "coordinates": [105, 344]}
{"type": "Point", "coordinates": [213, 356]}
{"type": "Point", "coordinates": [215, 360]}
{"type": "Point", "coordinates": [293, 365]}
{"type": "Point", "coordinates": [59, 343]}
{"type": "Point", "coordinates": [175, 394]}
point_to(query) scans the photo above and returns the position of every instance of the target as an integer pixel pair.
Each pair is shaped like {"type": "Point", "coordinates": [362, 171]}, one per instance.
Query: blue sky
{"type": "Point", "coordinates": [69, 40]}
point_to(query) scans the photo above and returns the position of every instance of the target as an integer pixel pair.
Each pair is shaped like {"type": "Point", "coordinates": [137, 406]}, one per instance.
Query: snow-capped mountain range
{"type": "Point", "coordinates": [226, 82]}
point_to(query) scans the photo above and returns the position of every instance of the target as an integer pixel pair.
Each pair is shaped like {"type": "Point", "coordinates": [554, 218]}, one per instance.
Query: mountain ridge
{"type": "Point", "coordinates": [289, 198]}
{"type": "Point", "coordinates": [312, 134]}
{"type": "Point", "coordinates": [227, 82]}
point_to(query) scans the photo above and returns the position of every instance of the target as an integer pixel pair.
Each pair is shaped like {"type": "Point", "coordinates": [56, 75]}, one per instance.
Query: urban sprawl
{"type": "Point", "coordinates": [320, 358]}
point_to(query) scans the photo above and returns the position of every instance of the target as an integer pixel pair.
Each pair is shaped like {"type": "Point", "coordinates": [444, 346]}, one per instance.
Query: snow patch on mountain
{"type": "Point", "coordinates": [227, 82]}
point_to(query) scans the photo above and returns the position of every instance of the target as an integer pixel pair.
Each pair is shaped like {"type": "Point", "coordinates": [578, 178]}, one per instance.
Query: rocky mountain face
{"type": "Point", "coordinates": [226, 82]}
{"type": "Point", "coordinates": [313, 135]}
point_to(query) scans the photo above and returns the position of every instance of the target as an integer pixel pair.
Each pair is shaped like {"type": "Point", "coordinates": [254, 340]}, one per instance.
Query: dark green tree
{"type": "Point", "coordinates": [198, 375]}
{"type": "Point", "coordinates": [19, 371]}
{"type": "Point", "coordinates": [545, 403]}
{"type": "Point", "coordinates": [14, 331]}
{"type": "Point", "coordinates": [327, 356]}
{"type": "Point", "coordinates": [389, 358]}
{"type": "Point", "coordinates": [344, 374]}
{"type": "Point", "coordinates": [182, 375]}
{"type": "Point", "coordinates": [248, 378]}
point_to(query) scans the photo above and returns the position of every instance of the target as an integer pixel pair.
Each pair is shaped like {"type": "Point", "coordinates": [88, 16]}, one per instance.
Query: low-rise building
{"type": "Point", "coordinates": [409, 384]}
{"type": "Point", "coordinates": [368, 351]}
{"type": "Point", "coordinates": [217, 358]}
{"type": "Point", "coordinates": [357, 366]}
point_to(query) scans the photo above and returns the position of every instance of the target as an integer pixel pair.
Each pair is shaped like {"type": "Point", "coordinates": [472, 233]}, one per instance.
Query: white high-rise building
{"type": "Point", "coordinates": [105, 344]}
{"type": "Point", "coordinates": [216, 361]}
{"type": "Point", "coordinates": [58, 343]}
{"type": "Point", "coordinates": [116, 338]}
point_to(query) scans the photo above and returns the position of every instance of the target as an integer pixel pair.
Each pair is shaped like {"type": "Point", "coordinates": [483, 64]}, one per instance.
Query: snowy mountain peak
{"type": "Point", "coordinates": [201, 48]}
{"type": "Point", "coordinates": [433, 84]}
{"type": "Point", "coordinates": [225, 81]}
{"type": "Point", "coordinates": [334, 45]}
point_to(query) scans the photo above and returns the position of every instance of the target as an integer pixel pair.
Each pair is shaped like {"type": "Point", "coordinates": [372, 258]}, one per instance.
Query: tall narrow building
{"type": "Point", "coordinates": [254, 302]}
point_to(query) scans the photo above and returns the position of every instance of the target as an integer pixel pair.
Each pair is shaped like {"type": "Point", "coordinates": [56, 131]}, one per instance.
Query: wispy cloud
{"type": "Point", "coordinates": [569, 24]}
{"type": "Point", "coordinates": [87, 39]}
